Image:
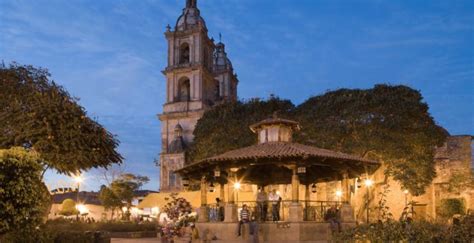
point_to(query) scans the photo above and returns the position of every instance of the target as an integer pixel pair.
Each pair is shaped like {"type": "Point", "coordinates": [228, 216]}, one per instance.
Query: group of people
{"type": "Point", "coordinates": [216, 213]}
{"type": "Point", "coordinates": [262, 208]}
{"type": "Point", "coordinates": [262, 204]}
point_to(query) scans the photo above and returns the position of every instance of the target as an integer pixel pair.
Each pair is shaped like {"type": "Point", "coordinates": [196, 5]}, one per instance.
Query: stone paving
{"type": "Point", "coordinates": [141, 240]}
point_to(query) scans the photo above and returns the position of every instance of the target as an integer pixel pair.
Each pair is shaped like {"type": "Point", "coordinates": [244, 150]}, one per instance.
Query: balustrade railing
{"type": "Point", "coordinates": [275, 211]}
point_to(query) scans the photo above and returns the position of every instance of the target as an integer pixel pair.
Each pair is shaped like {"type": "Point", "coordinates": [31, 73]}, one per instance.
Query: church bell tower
{"type": "Point", "coordinates": [198, 76]}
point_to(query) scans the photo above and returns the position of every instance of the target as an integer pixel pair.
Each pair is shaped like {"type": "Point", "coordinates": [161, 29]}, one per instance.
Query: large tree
{"type": "Point", "coordinates": [391, 124]}
{"type": "Point", "coordinates": [387, 123]}
{"type": "Point", "coordinates": [226, 126]}
{"type": "Point", "coordinates": [24, 199]}
{"type": "Point", "coordinates": [37, 113]}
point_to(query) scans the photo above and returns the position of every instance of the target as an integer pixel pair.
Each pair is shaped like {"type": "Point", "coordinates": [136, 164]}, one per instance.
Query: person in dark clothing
{"type": "Point", "coordinates": [220, 210]}
{"type": "Point", "coordinates": [332, 217]}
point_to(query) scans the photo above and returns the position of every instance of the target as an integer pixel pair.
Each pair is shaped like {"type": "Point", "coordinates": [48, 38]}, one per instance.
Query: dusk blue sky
{"type": "Point", "coordinates": [110, 54]}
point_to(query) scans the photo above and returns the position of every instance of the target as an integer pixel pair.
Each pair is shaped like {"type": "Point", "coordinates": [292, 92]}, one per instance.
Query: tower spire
{"type": "Point", "coordinates": [191, 3]}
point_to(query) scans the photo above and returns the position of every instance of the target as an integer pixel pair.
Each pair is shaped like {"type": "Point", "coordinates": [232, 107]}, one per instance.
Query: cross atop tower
{"type": "Point", "coordinates": [191, 3]}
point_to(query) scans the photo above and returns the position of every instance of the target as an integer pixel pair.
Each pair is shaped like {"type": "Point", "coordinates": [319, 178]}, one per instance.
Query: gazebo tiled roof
{"type": "Point", "coordinates": [270, 160]}
{"type": "Point", "coordinates": [280, 150]}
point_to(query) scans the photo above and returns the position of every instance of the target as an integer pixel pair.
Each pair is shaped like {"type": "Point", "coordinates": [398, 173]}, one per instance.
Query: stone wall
{"type": "Point", "coordinates": [453, 159]}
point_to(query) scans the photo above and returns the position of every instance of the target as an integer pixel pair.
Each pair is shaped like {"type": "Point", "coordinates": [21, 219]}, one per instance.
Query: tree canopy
{"type": "Point", "coordinates": [24, 199]}
{"type": "Point", "coordinates": [388, 123]}
{"type": "Point", "coordinates": [121, 191]}
{"type": "Point", "coordinates": [37, 113]}
{"type": "Point", "coordinates": [226, 126]}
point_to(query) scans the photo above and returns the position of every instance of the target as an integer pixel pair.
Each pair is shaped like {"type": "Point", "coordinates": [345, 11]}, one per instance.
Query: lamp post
{"type": "Point", "coordinates": [406, 197]}
{"type": "Point", "coordinates": [78, 179]}
{"type": "Point", "coordinates": [368, 184]}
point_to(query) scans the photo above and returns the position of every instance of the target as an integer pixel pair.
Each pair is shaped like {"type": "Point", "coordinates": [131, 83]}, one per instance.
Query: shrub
{"type": "Point", "coordinates": [394, 231]}
{"type": "Point", "coordinates": [24, 199]}
{"type": "Point", "coordinates": [450, 207]}
{"type": "Point", "coordinates": [68, 208]}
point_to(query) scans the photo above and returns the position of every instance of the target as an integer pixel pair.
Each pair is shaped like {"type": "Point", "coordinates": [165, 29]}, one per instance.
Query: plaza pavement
{"type": "Point", "coordinates": [141, 240]}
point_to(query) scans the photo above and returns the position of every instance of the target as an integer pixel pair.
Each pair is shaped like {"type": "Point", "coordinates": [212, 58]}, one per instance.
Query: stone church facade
{"type": "Point", "coordinates": [199, 75]}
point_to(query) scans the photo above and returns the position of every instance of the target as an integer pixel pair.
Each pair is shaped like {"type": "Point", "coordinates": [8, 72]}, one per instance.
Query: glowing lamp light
{"type": "Point", "coordinates": [368, 182]}
{"type": "Point", "coordinates": [78, 178]}
{"type": "Point", "coordinates": [406, 192]}
{"type": "Point", "coordinates": [338, 193]}
{"type": "Point", "coordinates": [314, 189]}
{"type": "Point", "coordinates": [82, 209]}
{"type": "Point", "coordinates": [301, 170]}
{"type": "Point", "coordinates": [155, 210]}
{"type": "Point", "coordinates": [124, 209]}
{"type": "Point", "coordinates": [217, 172]}
{"type": "Point", "coordinates": [278, 193]}
{"type": "Point", "coordinates": [237, 185]}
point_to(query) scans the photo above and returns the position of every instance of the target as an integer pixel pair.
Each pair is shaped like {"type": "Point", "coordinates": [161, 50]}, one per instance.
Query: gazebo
{"type": "Point", "coordinates": [275, 159]}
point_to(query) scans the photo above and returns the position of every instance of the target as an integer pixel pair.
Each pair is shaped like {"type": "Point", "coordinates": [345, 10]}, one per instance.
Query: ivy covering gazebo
{"type": "Point", "coordinates": [275, 159]}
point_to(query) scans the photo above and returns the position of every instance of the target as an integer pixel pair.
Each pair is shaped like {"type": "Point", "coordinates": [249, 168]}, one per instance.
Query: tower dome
{"type": "Point", "coordinates": [190, 18]}
{"type": "Point", "coordinates": [221, 61]}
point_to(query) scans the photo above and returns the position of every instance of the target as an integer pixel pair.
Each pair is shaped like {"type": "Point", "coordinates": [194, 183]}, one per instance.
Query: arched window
{"type": "Point", "coordinates": [184, 90]}
{"type": "Point", "coordinates": [184, 53]}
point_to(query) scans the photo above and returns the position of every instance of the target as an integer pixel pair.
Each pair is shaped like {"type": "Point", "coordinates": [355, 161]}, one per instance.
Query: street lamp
{"type": "Point", "coordinates": [406, 197]}
{"type": "Point", "coordinates": [78, 179]}
{"type": "Point", "coordinates": [368, 183]}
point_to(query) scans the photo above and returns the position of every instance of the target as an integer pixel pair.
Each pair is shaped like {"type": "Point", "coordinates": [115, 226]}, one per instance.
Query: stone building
{"type": "Point", "coordinates": [199, 75]}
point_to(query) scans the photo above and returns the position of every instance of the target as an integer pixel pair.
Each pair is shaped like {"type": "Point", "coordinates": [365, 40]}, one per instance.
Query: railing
{"type": "Point", "coordinates": [215, 212]}
{"type": "Point", "coordinates": [316, 210]}
{"type": "Point", "coordinates": [270, 211]}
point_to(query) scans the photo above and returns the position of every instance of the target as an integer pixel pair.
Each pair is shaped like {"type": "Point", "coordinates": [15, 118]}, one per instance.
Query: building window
{"type": "Point", "coordinates": [172, 179]}
{"type": "Point", "coordinates": [184, 54]}
{"type": "Point", "coordinates": [184, 90]}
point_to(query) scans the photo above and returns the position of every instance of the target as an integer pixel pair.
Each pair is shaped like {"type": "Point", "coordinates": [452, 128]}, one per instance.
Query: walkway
{"type": "Point", "coordinates": [141, 240]}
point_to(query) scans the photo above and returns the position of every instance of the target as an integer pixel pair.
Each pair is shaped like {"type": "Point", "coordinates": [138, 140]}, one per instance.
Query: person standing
{"type": "Point", "coordinates": [332, 217]}
{"type": "Point", "coordinates": [262, 204]}
{"type": "Point", "coordinates": [274, 199]}
{"type": "Point", "coordinates": [220, 209]}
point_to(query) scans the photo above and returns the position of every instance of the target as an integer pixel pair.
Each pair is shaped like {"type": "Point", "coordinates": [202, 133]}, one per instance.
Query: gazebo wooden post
{"type": "Point", "coordinates": [230, 211]}
{"type": "Point", "coordinates": [295, 209]}
{"type": "Point", "coordinates": [203, 214]}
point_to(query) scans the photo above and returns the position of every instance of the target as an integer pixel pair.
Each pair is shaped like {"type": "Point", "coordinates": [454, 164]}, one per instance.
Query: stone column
{"type": "Point", "coordinates": [295, 186]}
{"type": "Point", "coordinates": [203, 215]}
{"type": "Point", "coordinates": [346, 190]}
{"type": "Point", "coordinates": [295, 209]}
{"type": "Point", "coordinates": [222, 192]}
